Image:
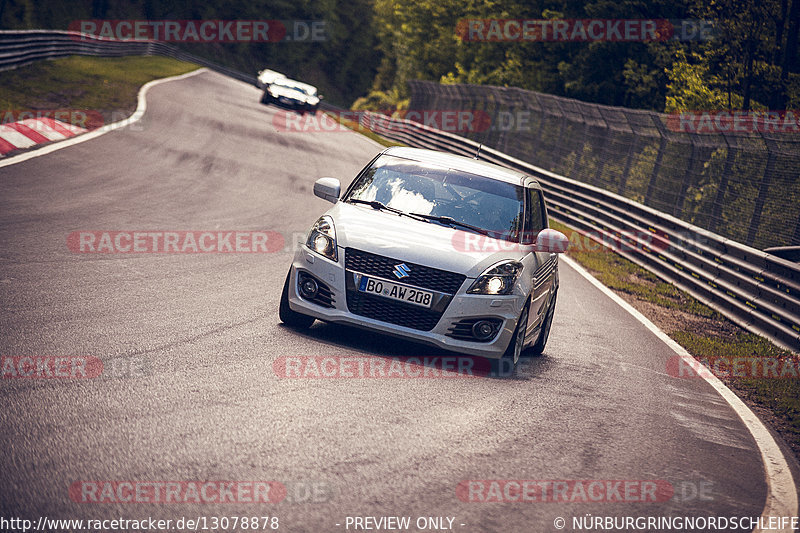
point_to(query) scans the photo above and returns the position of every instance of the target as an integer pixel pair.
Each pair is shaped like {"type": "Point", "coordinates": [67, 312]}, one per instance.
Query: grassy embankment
{"type": "Point", "coordinates": [103, 86]}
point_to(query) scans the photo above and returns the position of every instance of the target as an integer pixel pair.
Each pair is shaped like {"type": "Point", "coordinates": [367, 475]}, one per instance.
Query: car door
{"type": "Point", "coordinates": [542, 276]}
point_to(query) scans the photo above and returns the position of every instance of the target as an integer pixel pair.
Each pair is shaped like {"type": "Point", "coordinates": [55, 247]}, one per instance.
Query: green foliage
{"type": "Point", "coordinates": [745, 65]}
{"type": "Point", "coordinates": [691, 87]}
{"type": "Point", "coordinates": [383, 101]}
{"type": "Point", "coordinates": [379, 45]}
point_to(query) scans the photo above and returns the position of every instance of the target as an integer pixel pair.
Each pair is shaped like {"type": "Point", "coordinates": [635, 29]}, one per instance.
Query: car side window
{"type": "Point", "coordinates": [534, 221]}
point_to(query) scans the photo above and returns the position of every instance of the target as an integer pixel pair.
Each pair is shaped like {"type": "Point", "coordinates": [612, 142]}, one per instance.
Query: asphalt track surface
{"type": "Point", "coordinates": [208, 405]}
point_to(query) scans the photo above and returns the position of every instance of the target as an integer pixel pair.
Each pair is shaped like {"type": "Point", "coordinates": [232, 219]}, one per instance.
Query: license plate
{"type": "Point", "coordinates": [394, 291]}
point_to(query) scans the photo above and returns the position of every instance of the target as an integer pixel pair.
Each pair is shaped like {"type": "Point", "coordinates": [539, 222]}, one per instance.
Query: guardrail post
{"type": "Point", "coordinates": [763, 190]}
{"type": "Point", "coordinates": [557, 145]}
{"type": "Point", "coordinates": [632, 148]}
{"type": "Point", "coordinates": [599, 157]}
{"type": "Point", "coordinates": [680, 198]}
{"type": "Point", "coordinates": [722, 189]}
{"type": "Point", "coordinates": [651, 187]}
{"type": "Point", "coordinates": [796, 236]}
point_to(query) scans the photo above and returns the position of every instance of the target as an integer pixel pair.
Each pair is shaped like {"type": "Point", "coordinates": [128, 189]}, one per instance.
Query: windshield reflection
{"type": "Point", "coordinates": [414, 187]}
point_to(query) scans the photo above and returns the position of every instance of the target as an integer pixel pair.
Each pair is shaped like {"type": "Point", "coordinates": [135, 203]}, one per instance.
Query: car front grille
{"type": "Point", "coordinates": [419, 275]}
{"type": "Point", "coordinates": [394, 312]}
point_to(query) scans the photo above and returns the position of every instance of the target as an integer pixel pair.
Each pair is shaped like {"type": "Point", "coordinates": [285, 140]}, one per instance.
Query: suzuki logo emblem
{"type": "Point", "coordinates": [401, 271]}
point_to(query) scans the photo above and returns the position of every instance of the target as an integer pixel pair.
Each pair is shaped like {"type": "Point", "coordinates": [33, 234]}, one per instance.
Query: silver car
{"type": "Point", "coordinates": [437, 248]}
{"type": "Point", "coordinates": [292, 93]}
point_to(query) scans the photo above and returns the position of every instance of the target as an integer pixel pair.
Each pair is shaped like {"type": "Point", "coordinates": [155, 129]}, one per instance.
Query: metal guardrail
{"type": "Point", "coordinates": [756, 290]}
{"type": "Point", "coordinates": [22, 47]}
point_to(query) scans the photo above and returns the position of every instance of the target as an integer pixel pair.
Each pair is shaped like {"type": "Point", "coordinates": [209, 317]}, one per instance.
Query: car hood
{"type": "Point", "coordinates": [415, 241]}
{"type": "Point", "coordinates": [294, 94]}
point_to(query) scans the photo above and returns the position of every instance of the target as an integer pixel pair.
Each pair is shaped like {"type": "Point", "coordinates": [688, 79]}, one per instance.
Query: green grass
{"type": "Point", "coordinates": [363, 131]}
{"type": "Point", "coordinates": [100, 84]}
{"type": "Point", "coordinates": [618, 273]}
{"type": "Point", "coordinates": [781, 396]}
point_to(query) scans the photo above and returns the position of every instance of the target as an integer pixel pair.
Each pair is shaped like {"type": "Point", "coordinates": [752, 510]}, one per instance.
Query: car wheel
{"type": "Point", "coordinates": [265, 98]}
{"type": "Point", "coordinates": [508, 363]}
{"type": "Point", "coordinates": [289, 317]}
{"type": "Point", "coordinates": [544, 331]}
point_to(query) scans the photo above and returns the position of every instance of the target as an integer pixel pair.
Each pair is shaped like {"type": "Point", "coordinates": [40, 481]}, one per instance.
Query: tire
{"type": "Point", "coordinates": [544, 331]}
{"type": "Point", "coordinates": [508, 363]}
{"type": "Point", "coordinates": [289, 317]}
{"type": "Point", "coordinates": [265, 98]}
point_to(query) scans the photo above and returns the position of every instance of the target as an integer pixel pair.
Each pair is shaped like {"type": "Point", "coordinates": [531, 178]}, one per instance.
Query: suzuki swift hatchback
{"type": "Point", "coordinates": [433, 247]}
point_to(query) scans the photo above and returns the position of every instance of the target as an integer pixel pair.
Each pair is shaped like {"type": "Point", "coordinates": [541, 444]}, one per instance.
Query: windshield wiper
{"type": "Point", "coordinates": [450, 221]}
{"type": "Point", "coordinates": [375, 204]}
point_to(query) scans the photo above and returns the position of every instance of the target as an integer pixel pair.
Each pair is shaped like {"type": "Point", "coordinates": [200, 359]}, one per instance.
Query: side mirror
{"type": "Point", "coordinates": [551, 241]}
{"type": "Point", "coordinates": [329, 189]}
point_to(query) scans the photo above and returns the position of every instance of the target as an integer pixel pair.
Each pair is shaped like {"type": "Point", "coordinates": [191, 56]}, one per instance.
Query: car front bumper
{"type": "Point", "coordinates": [461, 306]}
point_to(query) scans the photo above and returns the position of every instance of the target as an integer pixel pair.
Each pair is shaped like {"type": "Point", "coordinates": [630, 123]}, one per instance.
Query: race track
{"type": "Point", "coordinates": [204, 401]}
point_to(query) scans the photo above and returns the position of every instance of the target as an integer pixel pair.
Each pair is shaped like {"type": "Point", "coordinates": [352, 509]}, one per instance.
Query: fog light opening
{"type": "Point", "coordinates": [308, 287]}
{"type": "Point", "coordinates": [483, 330]}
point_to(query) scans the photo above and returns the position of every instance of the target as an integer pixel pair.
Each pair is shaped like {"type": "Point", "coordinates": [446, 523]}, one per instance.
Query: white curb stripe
{"type": "Point", "coordinates": [781, 498]}
{"type": "Point", "coordinates": [43, 129]}
{"type": "Point", "coordinates": [14, 137]}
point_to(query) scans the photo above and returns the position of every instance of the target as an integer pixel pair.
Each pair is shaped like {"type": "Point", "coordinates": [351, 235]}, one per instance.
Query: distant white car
{"type": "Point", "coordinates": [433, 247]}
{"type": "Point", "coordinates": [292, 93]}
{"type": "Point", "coordinates": [267, 77]}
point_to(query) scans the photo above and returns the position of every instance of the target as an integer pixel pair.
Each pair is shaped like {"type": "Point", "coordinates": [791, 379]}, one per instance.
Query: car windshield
{"type": "Point", "coordinates": [469, 199]}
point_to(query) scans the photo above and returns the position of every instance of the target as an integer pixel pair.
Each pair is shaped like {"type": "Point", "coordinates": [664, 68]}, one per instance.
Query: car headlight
{"type": "Point", "coordinates": [322, 238]}
{"type": "Point", "coordinates": [497, 279]}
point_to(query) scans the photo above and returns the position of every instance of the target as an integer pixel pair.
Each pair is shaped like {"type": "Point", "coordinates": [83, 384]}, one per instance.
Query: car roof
{"type": "Point", "coordinates": [464, 164]}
